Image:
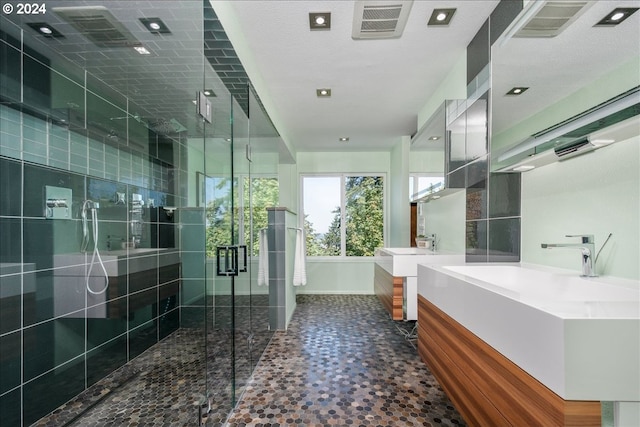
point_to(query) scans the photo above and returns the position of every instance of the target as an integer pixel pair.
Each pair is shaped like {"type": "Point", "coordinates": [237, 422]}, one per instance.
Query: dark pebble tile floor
{"type": "Point", "coordinates": [342, 362]}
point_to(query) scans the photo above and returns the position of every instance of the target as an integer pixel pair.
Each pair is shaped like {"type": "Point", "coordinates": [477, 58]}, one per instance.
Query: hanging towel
{"type": "Point", "coordinates": [299, 262]}
{"type": "Point", "coordinates": [263, 259]}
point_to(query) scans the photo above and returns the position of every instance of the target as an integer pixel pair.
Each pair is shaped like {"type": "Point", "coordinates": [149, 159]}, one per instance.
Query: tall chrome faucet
{"type": "Point", "coordinates": [587, 248]}
{"type": "Point", "coordinates": [432, 238]}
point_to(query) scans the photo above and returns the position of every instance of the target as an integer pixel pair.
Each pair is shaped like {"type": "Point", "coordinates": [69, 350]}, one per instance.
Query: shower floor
{"type": "Point", "coordinates": [341, 362]}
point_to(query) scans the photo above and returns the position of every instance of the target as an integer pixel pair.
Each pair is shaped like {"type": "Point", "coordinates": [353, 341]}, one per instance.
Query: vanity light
{"type": "Point", "coordinates": [155, 25]}
{"type": "Point", "coordinates": [319, 21]}
{"type": "Point", "coordinates": [601, 141]}
{"type": "Point", "coordinates": [323, 93]}
{"type": "Point", "coordinates": [616, 16]}
{"type": "Point", "coordinates": [517, 91]}
{"type": "Point", "coordinates": [441, 17]}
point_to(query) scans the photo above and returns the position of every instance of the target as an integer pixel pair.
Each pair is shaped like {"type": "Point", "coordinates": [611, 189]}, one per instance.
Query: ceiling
{"type": "Point", "coordinates": [554, 68]}
{"type": "Point", "coordinates": [378, 86]}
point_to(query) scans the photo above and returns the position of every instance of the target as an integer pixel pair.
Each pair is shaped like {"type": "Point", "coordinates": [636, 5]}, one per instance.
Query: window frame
{"type": "Point", "coordinates": [343, 229]}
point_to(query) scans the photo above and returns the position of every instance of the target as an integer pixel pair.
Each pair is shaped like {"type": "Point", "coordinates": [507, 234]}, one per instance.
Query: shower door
{"type": "Point", "coordinates": [237, 318]}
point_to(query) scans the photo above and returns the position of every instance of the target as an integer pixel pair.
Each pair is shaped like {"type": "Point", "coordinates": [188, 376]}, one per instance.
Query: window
{"type": "Point", "coordinates": [420, 182]}
{"type": "Point", "coordinates": [343, 214]}
{"type": "Point", "coordinates": [263, 192]}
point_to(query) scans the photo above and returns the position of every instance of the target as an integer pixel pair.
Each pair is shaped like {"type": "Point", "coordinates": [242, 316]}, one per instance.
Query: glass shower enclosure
{"type": "Point", "coordinates": [126, 167]}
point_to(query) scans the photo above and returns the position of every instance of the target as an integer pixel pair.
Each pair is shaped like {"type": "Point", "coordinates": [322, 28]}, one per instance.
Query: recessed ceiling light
{"type": "Point", "coordinates": [142, 50]}
{"type": "Point", "coordinates": [320, 21]}
{"type": "Point", "coordinates": [323, 93]}
{"type": "Point", "coordinates": [441, 17]}
{"type": "Point", "coordinates": [155, 25]}
{"type": "Point", "coordinates": [517, 90]}
{"type": "Point", "coordinates": [616, 16]}
{"type": "Point", "coordinates": [209, 92]}
{"type": "Point", "coordinates": [45, 30]}
{"type": "Point", "coordinates": [434, 138]}
{"type": "Point", "coordinates": [344, 139]}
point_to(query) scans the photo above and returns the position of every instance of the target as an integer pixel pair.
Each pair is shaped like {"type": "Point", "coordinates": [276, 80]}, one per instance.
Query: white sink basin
{"type": "Point", "coordinates": [407, 251]}
{"type": "Point", "coordinates": [580, 337]}
{"type": "Point", "coordinates": [403, 262]}
{"type": "Point", "coordinates": [540, 285]}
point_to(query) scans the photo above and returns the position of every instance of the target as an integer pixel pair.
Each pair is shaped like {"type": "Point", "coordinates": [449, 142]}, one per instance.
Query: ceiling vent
{"type": "Point", "coordinates": [98, 25]}
{"type": "Point", "coordinates": [380, 20]}
{"type": "Point", "coordinates": [552, 18]}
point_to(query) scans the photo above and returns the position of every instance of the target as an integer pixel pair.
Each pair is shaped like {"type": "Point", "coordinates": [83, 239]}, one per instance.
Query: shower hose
{"type": "Point", "coordinates": [85, 244]}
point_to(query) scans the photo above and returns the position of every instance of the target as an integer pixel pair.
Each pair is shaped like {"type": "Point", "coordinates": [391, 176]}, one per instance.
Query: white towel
{"type": "Point", "coordinates": [263, 259]}
{"type": "Point", "coordinates": [299, 262]}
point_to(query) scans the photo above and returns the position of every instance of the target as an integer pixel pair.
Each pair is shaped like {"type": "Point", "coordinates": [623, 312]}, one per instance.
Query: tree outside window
{"type": "Point", "coordinates": [343, 215]}
{"type": "Point", "coordinates": [262, 192]}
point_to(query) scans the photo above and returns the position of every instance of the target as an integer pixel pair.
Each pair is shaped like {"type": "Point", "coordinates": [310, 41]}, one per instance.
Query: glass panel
{"type": "Point", "coordinates": [321, 204]}
{"type": "Point", "coordinates": [364, 220]}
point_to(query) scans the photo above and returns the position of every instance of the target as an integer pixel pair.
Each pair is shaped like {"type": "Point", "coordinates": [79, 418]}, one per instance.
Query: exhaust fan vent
{"type": "Point", "coordinates": [98, 25]}
{"type": "Point", "coordinates": [378, 20]}
{"type": "Point", "coordinates": [552, 19]}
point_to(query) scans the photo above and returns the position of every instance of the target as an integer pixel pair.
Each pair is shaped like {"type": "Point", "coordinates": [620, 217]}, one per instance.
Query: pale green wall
{"type": "Point", "coordinates": [399, 212]}
{"type": "Point", "coordinates": [446, 218]}
{"type": "Point", "coordinates": [426, 162]}
{"type": "Point", "coordinates": [596, 193]}
{"type": "Point", "coordinates": [338, 276]}
{"type": "Point", "coordinates": [454, 86]}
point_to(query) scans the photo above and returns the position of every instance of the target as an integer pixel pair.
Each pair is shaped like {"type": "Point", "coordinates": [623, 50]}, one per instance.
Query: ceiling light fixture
{"type": "Point", "coordinates": [323, 93]}
{"type": "Point", "coordinates": [319, 21]}
{"type": "Point", "coordinates": [441, 17]}
{"type": "Point", "coordinates": [434, 138]}
{"type": "Point", "coordinates": [142, 50]}
{"type": "Point", "coordinates": [209, 92]}
{"type": "Point", "coordinates": [517, 91]}
{"type": "Point", "coordinates": [344, 139]}
{"type": "Point", "coordinates": [616, 16]}
{"type": "Point", "coordinates": [155, 25]}
{"type": "Point", "coordinates": [45, 30]}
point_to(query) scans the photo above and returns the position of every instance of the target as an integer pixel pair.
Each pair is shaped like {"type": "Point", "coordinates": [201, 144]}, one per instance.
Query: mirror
{"type": "Point", "coordinates": [565, 75]}
{"type": "Point", "coordinates": [428, 156]}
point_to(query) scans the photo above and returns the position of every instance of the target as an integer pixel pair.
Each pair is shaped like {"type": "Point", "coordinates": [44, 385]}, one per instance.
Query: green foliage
{"type": "Point", "coordinates": [363, 220]}
{"type": "Point", "coordinates": [264, 193]}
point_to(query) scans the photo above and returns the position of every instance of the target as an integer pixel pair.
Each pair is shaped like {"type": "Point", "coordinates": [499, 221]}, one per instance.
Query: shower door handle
{"type": "Point", "coordinates": [227, 260]}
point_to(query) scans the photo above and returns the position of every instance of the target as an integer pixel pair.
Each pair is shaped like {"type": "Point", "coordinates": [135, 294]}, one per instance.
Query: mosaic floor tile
{"type": "Point", "coordinates": [342, 362]}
